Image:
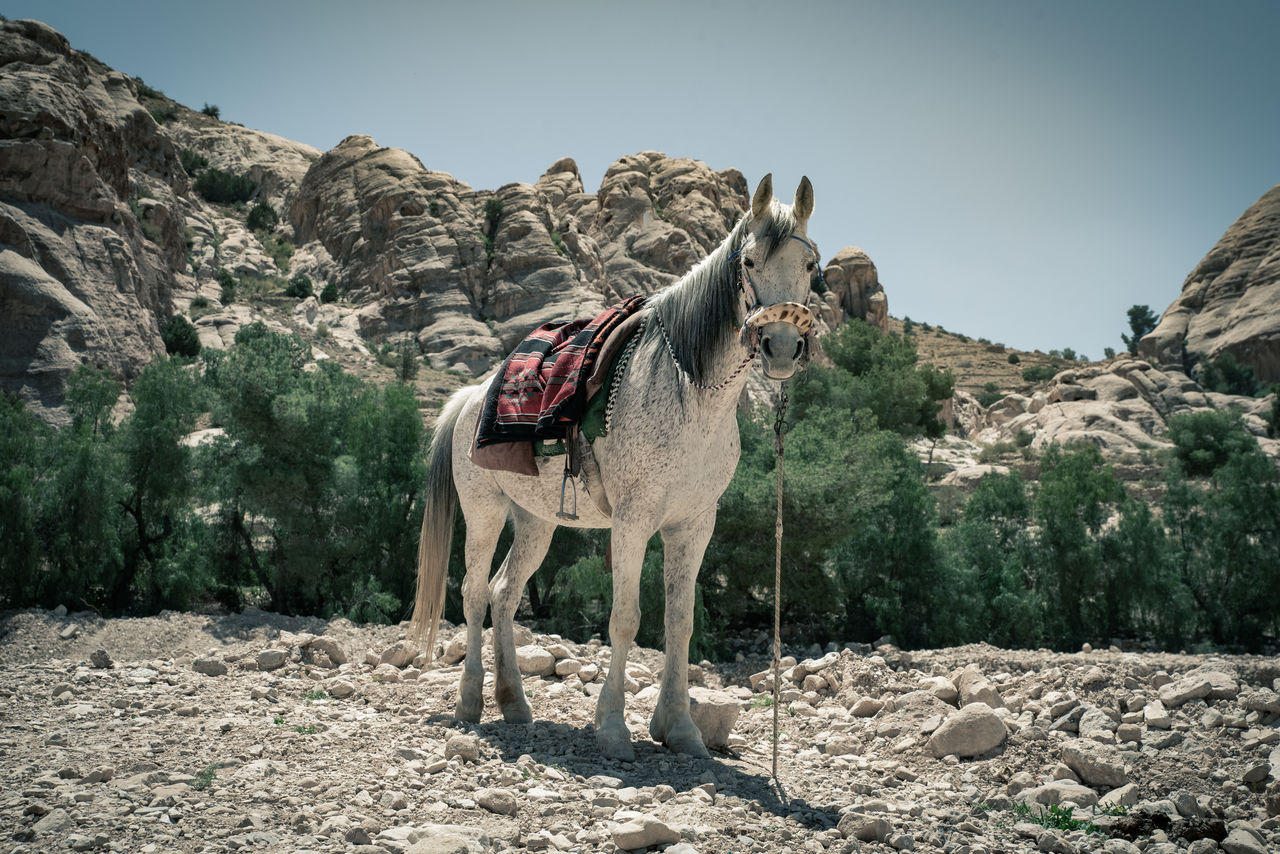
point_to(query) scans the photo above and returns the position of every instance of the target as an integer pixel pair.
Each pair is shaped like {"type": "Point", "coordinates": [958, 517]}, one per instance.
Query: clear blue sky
{"type": "Point", "coordinates": [1021, 171]}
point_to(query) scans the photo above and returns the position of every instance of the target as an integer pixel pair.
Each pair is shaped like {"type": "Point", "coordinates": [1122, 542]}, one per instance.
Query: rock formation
{"type": "Point", "coordinates": [87, 264]}
{"type": "Point", "coordinates": [1231, 301]}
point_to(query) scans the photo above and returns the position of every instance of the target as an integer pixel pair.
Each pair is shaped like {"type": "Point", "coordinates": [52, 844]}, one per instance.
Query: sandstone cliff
{"type": "Point", "coordinates": [1231, 300]}
{"type": "Point", "coordinates": [81, 278]}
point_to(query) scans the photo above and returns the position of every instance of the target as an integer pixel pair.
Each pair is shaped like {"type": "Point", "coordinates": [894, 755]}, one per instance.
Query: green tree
{"type": "Point", "coordinates": [23, 452]}
{"type": "Point", "coordinates": [991, 550]}
{"type": "Point", "coordinates": [1205, 440]}
{"type": "Point", "coordinates": [1141, 321]}
{"type": "Point", "coordinates": [180, 337]}
{"type": "Point", "coordinates": [263, 217]}
{"type": "Point", "coordinates": [1225, 375]}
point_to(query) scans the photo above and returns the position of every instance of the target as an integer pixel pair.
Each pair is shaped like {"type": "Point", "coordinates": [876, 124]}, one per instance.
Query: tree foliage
{"type": "Point", "coordinates": [1142, 320]}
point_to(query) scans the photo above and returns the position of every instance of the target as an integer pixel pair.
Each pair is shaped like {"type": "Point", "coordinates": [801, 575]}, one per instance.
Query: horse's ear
{"type": "Point", "coordinates": [764, 195]}
{"type": "Point", "coordinates": [804, 199]}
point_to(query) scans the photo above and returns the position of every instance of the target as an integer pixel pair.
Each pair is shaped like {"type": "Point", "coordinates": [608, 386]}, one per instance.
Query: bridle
{"type": "Point", "coordinates": [757, 315]}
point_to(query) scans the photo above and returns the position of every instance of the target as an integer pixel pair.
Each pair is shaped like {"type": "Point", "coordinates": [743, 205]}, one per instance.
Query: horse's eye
{"type": "Point", "coordinates": [809, 266]}
{"type": "Point", "coordinates": [748, 263]}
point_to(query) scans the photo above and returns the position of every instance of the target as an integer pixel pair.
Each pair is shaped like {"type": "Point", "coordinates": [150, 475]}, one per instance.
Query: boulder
{"type": "Point", "coordinates": [714, 713]}
{"type": "Point", "coordinates": [1095, 764]}
{"type": "Point", "coordinates": [970, 731]}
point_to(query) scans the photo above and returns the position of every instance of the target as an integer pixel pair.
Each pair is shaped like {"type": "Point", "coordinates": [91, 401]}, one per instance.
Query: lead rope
{"type": "Point", "coordinates": [779, 423]}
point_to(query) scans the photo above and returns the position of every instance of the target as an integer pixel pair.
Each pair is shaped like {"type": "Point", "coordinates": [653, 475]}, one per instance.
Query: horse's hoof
{"type": "Point", "coordinates": [468, 712]}
{"type": "Point", "coordinates": [517, 714]}
{"type": "Point", "coordinates": [688, 740]}
{"type": "Point", "coordinates": [615, 749]}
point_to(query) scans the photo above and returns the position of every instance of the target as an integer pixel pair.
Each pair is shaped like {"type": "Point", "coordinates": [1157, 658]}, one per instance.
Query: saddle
{"type": "Point", "coordinates": [546, 398]}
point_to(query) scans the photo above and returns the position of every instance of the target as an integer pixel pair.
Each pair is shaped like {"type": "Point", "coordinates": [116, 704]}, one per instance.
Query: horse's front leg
{"type": "Point", "coordinates": [529, 543]}
{"type": "Point", "coordinates": [682, 547]}
{"type": "Point", "coordinates": [628, 543]}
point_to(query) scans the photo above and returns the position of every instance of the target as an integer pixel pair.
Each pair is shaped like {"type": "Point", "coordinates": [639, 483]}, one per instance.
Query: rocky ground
{"type": "Point", "coordinates": [257, 732]}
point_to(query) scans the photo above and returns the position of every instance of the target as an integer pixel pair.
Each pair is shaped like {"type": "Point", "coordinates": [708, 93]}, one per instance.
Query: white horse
{"type": "Point", "coordinates": [670, 452]}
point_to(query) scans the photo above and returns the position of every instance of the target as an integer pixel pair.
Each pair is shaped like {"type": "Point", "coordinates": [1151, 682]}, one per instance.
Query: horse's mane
{"type": "Point", "coordinates": [699, 310]}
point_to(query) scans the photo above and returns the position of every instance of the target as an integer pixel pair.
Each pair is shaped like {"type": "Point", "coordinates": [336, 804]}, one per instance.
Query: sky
{"type": "Point", "coordinates": [1020, 171]}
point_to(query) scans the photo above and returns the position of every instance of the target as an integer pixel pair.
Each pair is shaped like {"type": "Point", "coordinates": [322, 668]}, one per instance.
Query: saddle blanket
{"type": "Point", "coordinates": [542, 389]}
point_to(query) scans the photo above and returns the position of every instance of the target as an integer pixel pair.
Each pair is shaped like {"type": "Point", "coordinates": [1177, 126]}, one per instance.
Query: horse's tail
{"type": "Point", "coordinates": [437, 529]}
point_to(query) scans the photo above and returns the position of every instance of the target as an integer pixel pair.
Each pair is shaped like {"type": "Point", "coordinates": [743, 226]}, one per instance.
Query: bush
{"type": "Point", "coordinates": [1109, 352]}
{"type": "Point", "coordinates": [1069, 354]}
{"type": "Point", "coordinates": [1039, 373]}
{"type": "Point", "coordinates": [223, 187]}
{"type": "Point", "coordinates": [193, 161]}
{"type": "Point", "coordinates": [262, 217]}
{"type": "Point", "coordinates": [1014, 359]}
{"type": "Point", "coordinates": [212, 111]}
{"type": "Point", "coordinates": [330, 293]}
{"type": "Point", "coordinates": [227, 283]}
{"type": "Point", "coordinates": [1226, 375]}
{"type": "Point", "coordinates": [180, 337]}
{"type": "Point", "coordinates": [1205, 440]}
{"type": "Point", "coordinates": [406, 359]}
{"type": "Point", "coordinates": [1142, 320]}
{"type": "Point", "coordinates": [300, 287]}
{"type": "Point", "coordinates": [493, 211]}
{"type": "Point", "coordinates": [991, 394]}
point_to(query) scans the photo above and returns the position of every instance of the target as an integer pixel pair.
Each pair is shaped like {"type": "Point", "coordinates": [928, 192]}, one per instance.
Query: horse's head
{"type": "Point", "coordinates": [777, 263]}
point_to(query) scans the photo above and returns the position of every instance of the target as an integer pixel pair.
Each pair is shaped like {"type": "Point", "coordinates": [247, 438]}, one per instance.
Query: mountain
{"type": "Point", "coordinates": [1230, 303]}
{"type": "Point", "coordinates": [120, 207]}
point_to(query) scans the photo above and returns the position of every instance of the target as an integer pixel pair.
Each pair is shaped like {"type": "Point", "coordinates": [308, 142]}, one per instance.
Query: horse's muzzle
{"type": "Point", "coordinates": [784, 349]}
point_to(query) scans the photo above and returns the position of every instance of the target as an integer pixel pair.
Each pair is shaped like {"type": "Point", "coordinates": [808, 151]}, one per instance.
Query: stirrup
{"type": "Point", "coordinates": [564, 485]}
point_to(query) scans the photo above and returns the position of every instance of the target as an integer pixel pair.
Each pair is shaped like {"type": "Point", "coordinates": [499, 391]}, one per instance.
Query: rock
{"type": "Point", "coordinates": [400, 654]}
{"type": "Point", "coordinates": [866, 707]}
{"type": "Point", "coordinates": [500, 801]}
{"type": "Point", "coordinates": [57, 821]}
{"type": "Point", "coordinates": [864, 828]}
{"type": "Point", "coordinates": [1263, 700]}
{"type": "Point", "coordinates": [101, 659]}
{"type": "Point", "coordinates": [1156, 716]}
{"type": "Point", "coordinates": [970, 731]}
{"type": "Point", "coordinates": [1225, 302]}
{"type": "Point", "coordinates": [386, 672]}
{"type": "Point", "coordinates": [714, 713]}
{"type": "Point", "coordinates": [331, 648]}
{"type": "Point", "coordinates": [210, 666]}
{"type": "Point", "coordinates": [1095, 764]}
{"type": "Point", "coordinates": [1057, 792]}
{"type": "Point", "coordinates": [339, 688]}
{"type": "Point", "coordinates": [272, 659]}
{"type": "Point", "coordinates": [1125, 796]}
{"type": "Point", "coordinates": [101, 774]}
{"type": "Point", "coordinates": [448, 839]}
{"type": "Point", "coordinates": [643, 831]}
{"type": "Point", "coordinates": [533, 660]}
{"type": "Point", "coordinates": [567, 666]}
{"type": "Point", "coordinates": [854, 289]}
{"type": "Point", "coordinates": [464, 747]}
{"type": "Point", "coordinates": [69, 632]}
{"type": "Point", "coordinates": [1242, 840]}
{"type": "Point", "coordinates": [974, 687]}
{"type": "Point", "coordinates": [941, 687]}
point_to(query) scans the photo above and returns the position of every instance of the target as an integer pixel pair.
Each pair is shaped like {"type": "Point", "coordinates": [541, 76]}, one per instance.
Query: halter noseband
{"type": "Point", "coordinates": [757, 315]}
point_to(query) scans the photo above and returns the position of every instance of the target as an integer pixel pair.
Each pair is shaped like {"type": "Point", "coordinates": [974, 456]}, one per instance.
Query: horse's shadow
{"type": "Point", "coordinates": [572, 750]}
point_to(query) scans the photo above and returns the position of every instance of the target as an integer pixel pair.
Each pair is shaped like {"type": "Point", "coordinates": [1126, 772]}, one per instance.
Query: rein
{"type": "Point", "coordinates": [779, 422]}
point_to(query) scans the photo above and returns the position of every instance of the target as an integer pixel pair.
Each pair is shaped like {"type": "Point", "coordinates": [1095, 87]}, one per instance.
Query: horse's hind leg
{"type": "Point", "coordinates": [682, 549]}
{"type": "Point", "coordinates": [532, 537]}
{"type": "Point", "coordinates": [485, 521]}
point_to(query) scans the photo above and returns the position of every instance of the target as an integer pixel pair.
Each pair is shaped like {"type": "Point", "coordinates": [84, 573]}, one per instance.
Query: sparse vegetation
{"type": "Point", "coordinates": [1039, 373]}
{"type": "Point", "coordinates": [329, 293]}
{"type": "Point", "coordinates": [299, 287]}
{"type": "Point", "coordinates": [223, 187]}
{"type": "Point", "coordinates": [193, 161]}
{"type": "Point", "coordinates": [279, 248]}
{"type": "Point", "coordinates": [204, 779]}
{"type": "Point", "coordinates": [1053, 817]}
{"type": "Point", "coordinates": [180, 337]}
{"type": "Point", "coordinates": [991, 393]}
{"type": "Point", "coordinates": [262, 217]}
{"type": "Point", "coordinates": [212, 111]}
{"type": "Point", "coordinates": [227, 283]}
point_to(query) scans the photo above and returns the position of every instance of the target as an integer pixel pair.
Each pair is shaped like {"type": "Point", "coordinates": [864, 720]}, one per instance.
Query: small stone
{"type": "Point", "coordinates": [1241, 841]}
{"type": "Point", "coordinates": [59, 611]}
{"type": "Point", "coordinates": [331, 649]}
{"type": "Point", "coordinates": [1190, 687]}
{"type": "Point", "coordinates": [714, 713]}
{"type": "Point", "coordinates": [386, 672]}
{"type": "Point", "coordinates": [55, 822]}
{"type": "Point", "coordinates": [465, 747]}
{"type": "Point", "coordinates": [533, 660]}
{"type": "Point", "coordinates": [567, 666]}
{"type": "Point", "coordinates": [972, 730]}
{"type": "Point", "coordinates": [866, 707]}
{"type": "Point", "coordinates": [1096, 764]}
{"type": "Point", "coordinates": [864, 828]}
{"type": "Point", "coordinates": [643, 831]}
{"type": "Point", "coordinates": [1125, 796]}
{"type": "Point", "coordinates": [358, 836]}
{"type": "Point", "coordinates": [339, 688]}
{"type": "Point", "coordinates": [974, 687]}
{"type": "Point", "coordinates": [1058, 791]}
{"type": "Point", "coordinates": [101, 774]}
{"type": "Point", "coordinates": [210, 666]}
{"type": "Point", "coordinates": [1256, 773]}
{"type": "Point", "coordinates": [399, 655]}
{"type": "Point", "coordinates": [69, 632]}
{"type": "Point", "coordinates": [272, 659]}
{"type": "Point", "coordinates": [101, 659]}
{"type": "Point", "coordinates": [941, 687]}
{"type": "Point", "coordinates": [1156, 716]}
{"type": "Point", "coordinates": [500, 801]}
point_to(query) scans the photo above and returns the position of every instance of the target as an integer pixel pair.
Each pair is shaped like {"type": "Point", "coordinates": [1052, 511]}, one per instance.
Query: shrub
{"type": "Point", "coordinates": [180, 336]}
{"type": "Point", "coordinates": [223, 187]}
{"type": "Point", "coordinates": [262, 217]}
{"type": "Point", "coordinates": [299, 287]}
{"type": "Point", "coordinates": [908, 327]}
{"type": "Point", "coordinates": [1069, 354]}
{"type": "Point", "coordinates": [1225, 375]}
{"type": "Point", "coordinates": [1014, 359]}
{"type": "Point", "coordinates": [227, 283]}
{"type": "Point", "coordinates": [164, 112]}
{"type": "Point", "coordinates": [211, 110]}
{"type": "Point", "coordinates": [406, 359]}
{"type": "Point", "coordinates": [329, 293]}
{"type": "Point", "coordinates": [145, 91]}
{"type": "Point", "coordinates": [193, 161]}
{"type": "Point", "coordinates": [1141, 322]}
{"type": "Point", "coordinates": [1205, 440]}
{"type": "Point", "coordinates": [1039, 373]}
{"type": "Point", "coordinates": [279, 248]}
{"type": "Point", "coordinates": [1109, 352]}
{"type": "Point", "coordinates": [493, 211]}
{"type": "Point", "coordinates": [991, 393]}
